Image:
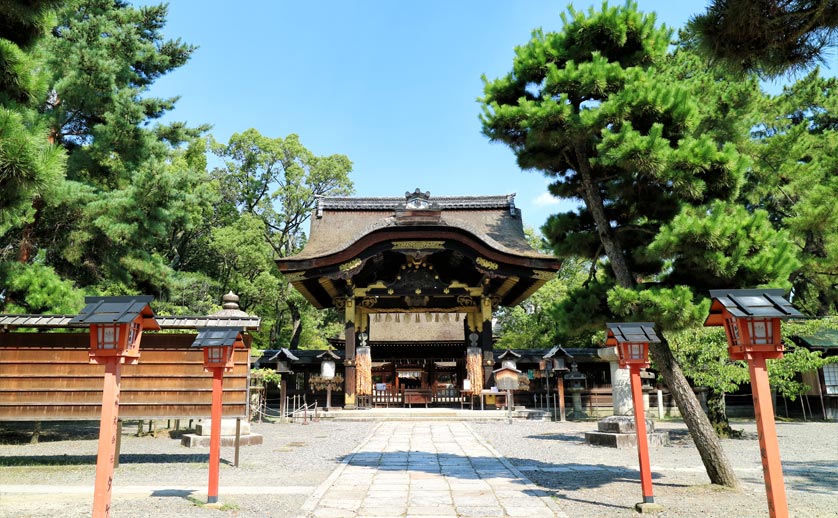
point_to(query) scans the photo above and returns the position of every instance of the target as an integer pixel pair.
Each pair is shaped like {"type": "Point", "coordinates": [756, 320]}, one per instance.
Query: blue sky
{"type": "Point", "coordinates": [391, 84]}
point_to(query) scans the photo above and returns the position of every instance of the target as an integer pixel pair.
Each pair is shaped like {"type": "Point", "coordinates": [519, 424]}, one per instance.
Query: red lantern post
{"type": "Point", "coordinates": [218, 344]}
{"type": "Point", "coordinates": [751, 319]}
{"type": "Point", "coordinates": [116, 327]}
{"type": "Point", "coordinates": [632, 342]}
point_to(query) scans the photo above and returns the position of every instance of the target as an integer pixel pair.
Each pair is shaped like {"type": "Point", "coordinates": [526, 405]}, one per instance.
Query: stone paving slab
{"type": "Point", "coordinates": [427, 470]}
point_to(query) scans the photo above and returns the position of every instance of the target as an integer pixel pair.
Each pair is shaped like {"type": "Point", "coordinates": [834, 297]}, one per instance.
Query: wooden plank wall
{"type": "Point", "coordinates": [48, 377]}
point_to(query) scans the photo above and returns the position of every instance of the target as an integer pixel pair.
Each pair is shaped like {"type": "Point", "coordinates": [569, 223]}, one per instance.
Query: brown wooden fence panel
{"type": "Point", "coordinates": [47, 376]}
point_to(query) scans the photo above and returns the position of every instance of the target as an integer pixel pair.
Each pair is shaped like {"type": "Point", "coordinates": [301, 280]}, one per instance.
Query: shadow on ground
{"type": "Point", "coordinates": [125, 458]}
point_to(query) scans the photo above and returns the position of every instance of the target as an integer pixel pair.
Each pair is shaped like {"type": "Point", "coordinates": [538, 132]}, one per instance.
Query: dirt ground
{"type": "Point", "coordinates": [159, 477]}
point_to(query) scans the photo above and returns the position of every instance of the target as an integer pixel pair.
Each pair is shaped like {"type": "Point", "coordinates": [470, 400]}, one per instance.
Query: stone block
{"type": "Point", "coordinates": [624, 440]}
{"type": "Point", "coordinates": [191, 440]}
{"type": "Point", "coordinates": [621, 424]}
{"type": "Point", "coordinates": [228, 427]}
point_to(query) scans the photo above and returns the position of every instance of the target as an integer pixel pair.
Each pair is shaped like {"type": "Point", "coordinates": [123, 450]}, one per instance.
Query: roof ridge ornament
{"type": "Point", "coordinates": [417, 199]}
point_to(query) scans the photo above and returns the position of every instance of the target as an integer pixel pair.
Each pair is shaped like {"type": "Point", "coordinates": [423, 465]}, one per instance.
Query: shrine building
{"type": "Point", "coordinates": [416, 279]}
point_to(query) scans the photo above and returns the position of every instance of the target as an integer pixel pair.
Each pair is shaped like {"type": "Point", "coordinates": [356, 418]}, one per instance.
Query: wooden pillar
{"type": "Point", "coordinates": [107, 440]}
{"type": "Point", "coordinates": [484, 319]}
{"type": "Point", "coordinates": [642, 439]}
{"type": "Point", "coordinates": [349, 362]}
{"type": "Point", "coordinates": [768, 445]}
{"type": "Point", "coordinates": [560, 386]}
{"type": "Point", "coordinates": [215, 435]}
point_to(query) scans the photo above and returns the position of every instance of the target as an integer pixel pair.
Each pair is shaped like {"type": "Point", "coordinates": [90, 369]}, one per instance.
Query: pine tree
{"type": "Point", "coordinates": [31, 168]}
{"type": "Point", "coordinates": [794, 179]}
{"type": "Point", "coordinates": [134, 189]}
{"type": "Point", "coordinates": [644, 140]}
{"type": "Point", "coordinates": [769, 37]}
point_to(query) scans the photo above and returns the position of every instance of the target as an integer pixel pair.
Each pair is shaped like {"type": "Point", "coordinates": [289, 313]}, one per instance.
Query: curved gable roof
{"type": "Point", "coordinates": [340, 222]}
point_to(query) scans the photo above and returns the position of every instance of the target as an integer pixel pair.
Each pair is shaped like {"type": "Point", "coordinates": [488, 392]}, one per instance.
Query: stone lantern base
{"type": "Point", "coordinates": [619, 431]}
{"type": "Point", "coordinates": [201, 439]}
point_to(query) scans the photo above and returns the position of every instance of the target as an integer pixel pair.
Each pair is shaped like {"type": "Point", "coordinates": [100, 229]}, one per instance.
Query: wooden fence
{"type": "Point", "coordinates": [48, 377]}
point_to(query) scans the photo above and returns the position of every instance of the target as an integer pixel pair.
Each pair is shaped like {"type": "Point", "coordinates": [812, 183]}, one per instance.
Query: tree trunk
{"type": "Point", "coordinates": [706, 441]}
{"type": "Point", "coordinates": [594, 203]}
{"type": "Point", "coordinates": [296, 325]}
{"type": "Point", "coordinates": [36, 433]}
{"type": "Point", "coordinates": [717, 413]}
{"type": "Point", "coordinates": [26, 240]}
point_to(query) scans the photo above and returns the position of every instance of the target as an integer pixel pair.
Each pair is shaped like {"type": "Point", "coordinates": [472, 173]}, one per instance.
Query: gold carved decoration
{"type": "Point", "coordinates": [418, 245]}
{"type": "Point", "coordinates": [465, 300]}
{"type": "Point", "coordinates": [543, 275]}
{"type": "Point", "coordinates": [339, 303]}
{"type": "Point", "coordinates": [369, 302]}
{"type": "Point", "coordinates": [485, 263]}
{"type": "Point", "coordinates": [294, 276]}
{"type": "Point", "coordinates": [351, 265]}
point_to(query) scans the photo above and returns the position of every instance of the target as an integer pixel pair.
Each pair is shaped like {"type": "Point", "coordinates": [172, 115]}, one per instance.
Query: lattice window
{"type": "Point", "coordinates": [830, 376]}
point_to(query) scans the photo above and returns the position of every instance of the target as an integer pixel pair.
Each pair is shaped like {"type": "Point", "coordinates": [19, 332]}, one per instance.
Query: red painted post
{"type": "Point", "coordinates": [107, 440]}
{"type": "Point", "coordinates": [642, 440]}
{"type": "Point", "coordinates": [215, 435]}
{"type": "Point", "coordinates": [768, 446]}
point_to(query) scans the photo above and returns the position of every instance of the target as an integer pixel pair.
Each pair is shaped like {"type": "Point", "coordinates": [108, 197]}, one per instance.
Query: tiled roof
{"type": "Point", "coordinates": [634, 332]}
{"type": "Point", "coordinates": [64, 321]}
{"type": "Point", "coordinates": [216, 336]}
{"type": "Point", "coordinates": [340, 222]}
{"type": "Point", "coordinates": [505, 201]}
{"type": "Point", "coordinates": [749, 303]}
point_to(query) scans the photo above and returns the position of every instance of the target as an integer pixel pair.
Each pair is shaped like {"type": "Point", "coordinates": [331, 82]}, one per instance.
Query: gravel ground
{"type": "Point", "coordinates": [586, 481]}
{"type": "Point", "coordinates": [604, 482]}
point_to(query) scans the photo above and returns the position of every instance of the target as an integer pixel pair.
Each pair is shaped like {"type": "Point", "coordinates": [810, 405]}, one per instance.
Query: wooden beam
{"type": "Point", "coordinates": [329, 286]}
{"type": "Point", "coordinates": [507, 285]}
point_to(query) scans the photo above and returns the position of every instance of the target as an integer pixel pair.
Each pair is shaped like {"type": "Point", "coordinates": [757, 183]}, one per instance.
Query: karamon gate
{"type": "Point", "coordinates": [443, 262]}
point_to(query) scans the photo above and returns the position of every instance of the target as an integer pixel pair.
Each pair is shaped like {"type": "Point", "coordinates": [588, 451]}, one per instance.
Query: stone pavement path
{"type": "Point", "coordinates": [426, 470]}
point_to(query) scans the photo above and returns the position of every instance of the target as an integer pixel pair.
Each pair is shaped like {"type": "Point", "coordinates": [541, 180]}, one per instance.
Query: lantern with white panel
{"type": "Point", "coordinates": [632, 341]}
{"type": "Point", "coordinates": [116, 327]}
{"type": "Point", "coordinates": [328, 361]}
{"type": "Point", "coordinates": [751, 319]}
{"type": "Point", "coordinates": [218, 344]}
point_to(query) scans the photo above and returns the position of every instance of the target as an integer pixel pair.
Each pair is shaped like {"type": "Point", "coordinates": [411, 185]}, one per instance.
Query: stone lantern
{"type": "Point", "coordinates": [328, 361]}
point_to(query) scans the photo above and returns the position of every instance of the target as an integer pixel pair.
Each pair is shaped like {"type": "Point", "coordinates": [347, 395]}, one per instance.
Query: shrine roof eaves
{"type": "Point", "coordinates": [442, 202]}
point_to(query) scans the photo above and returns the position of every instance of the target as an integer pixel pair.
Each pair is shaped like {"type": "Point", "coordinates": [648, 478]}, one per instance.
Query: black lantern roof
{"type": "Point", "coordinates": [631, 332]}
{"type": "Point", "coordinates": [283, 354]}
{"type": "Point", "coordinates": [759, 303]}
{"type": "Point", "coordinates": [216, 336]}
{"type": "Point", "coordinates": [116, 310]}
{"type": "Point", "coordinates": [557, 351]}
{"type": "Point", "coordinates": [508, 353]}
{"type": "Point", "coordinates": [328, 355]}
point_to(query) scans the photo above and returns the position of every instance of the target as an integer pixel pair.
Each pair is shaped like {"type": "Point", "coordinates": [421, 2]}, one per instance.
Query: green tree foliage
{"type": "Point", "coordinates": [533, 323]}
{"type": "Point", "coordinates": [769, 37]}
{"type": "Point", "coordinates": [31, 167]}
{"type": "Point", "coordinates": [272, 185]}
{"type": "Point", "coordinates": [620, 124]}
{"type": "Point", "coordinates": [279, 181]}
{"type": "Point", "coordinates": [794, 179]}
{"type": "Point", "coordinates": [35, 288]}
{"type": "Point", "coordinates": [133, 190]}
